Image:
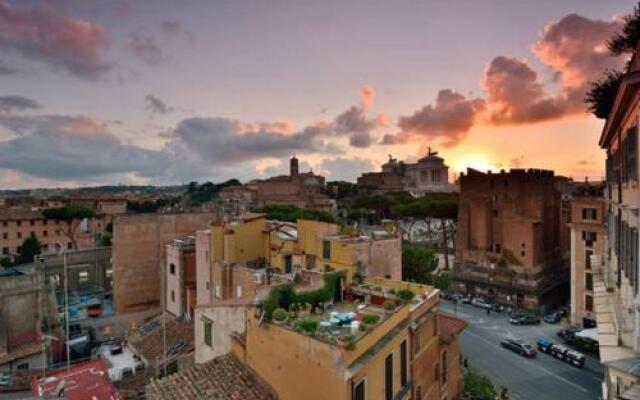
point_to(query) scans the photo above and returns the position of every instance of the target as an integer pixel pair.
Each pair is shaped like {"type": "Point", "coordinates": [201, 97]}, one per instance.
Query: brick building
{"type": "Point", "coordinates": [300, 189]}
{"type": "Point", "coordinates": [509, 244]}
{"type": "Point", "coordinates": [138, 248]}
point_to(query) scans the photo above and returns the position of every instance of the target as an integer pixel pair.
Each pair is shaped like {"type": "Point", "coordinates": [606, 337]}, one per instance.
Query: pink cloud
{"type": "Point", "coordinates": [38, 33]}
{"type": "Point", "coordinates": [367, 97]}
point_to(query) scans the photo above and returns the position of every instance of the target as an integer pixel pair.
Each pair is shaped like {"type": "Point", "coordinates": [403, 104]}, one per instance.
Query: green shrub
{"type": "Point", "coordinates": [307, 325]}
{"type": "Point", "coordinates": [405, 295]}
{"type": "Point", "coordinates": [389, 305]}
{"type": "Point", "coordinates": [280, 314]}
{"type": "Point", "coordinates": [370, 319]}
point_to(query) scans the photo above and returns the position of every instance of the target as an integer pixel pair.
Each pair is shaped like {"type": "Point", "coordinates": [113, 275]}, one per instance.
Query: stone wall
{"type": "Point", "coordinates": [138, 251]}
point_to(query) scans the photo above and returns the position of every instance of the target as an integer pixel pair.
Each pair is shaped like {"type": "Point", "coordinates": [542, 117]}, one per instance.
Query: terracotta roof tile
{"type": "Point", "coordinates": [148, 340]}
{"type": "Point", "coordinates": [223, 378]}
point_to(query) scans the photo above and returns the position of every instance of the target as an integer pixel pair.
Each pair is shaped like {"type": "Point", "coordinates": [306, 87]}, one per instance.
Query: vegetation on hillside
{"type": "Point", "coordinates": [289, 213]}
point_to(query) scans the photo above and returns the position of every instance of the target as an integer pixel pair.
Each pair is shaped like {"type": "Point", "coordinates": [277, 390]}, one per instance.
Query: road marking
{"type": "Point", "coordinates": [546, 371]}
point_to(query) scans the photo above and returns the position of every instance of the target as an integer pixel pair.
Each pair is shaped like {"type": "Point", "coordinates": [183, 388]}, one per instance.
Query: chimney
{"type": "Point", "coordinates": [293, 166]}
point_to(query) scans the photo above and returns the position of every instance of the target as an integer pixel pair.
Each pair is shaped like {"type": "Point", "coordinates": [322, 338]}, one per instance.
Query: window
{"type": "Point", "coordinates": [523, 253]}
{"type": "Point", "coordinates": [83, 277]}
{"type": "Point", "coordinates": [18, 223]}
{"type": "Point", "coordinates": [5, 223]}
{"type": "Point", "coordinates": [435, 177]}
{"type": "Point", "coordinates": [5, 235]}
{"type": "Point", "coordinates": [388, 377]}
{"type": "Point", "coordinates": [589, 238]}
{"type": "Point", "coordinates": [587, 258]}
{"type": "Point", "coordinates": [418, 392]}
{"type": "Point", "coordinates": [19, 235]}
{"type": "Point", "coordinates": [588, 303]}
{"type": "Point", "coordinates": [206, 255]}
{"type": "Point", "coordinates": [589, 213]}
{"type": "Point", "coordinates": [45, 233]}
{"type": "Point", "coordinates": [44, 222]}
{"type": "Point", "coordinates": [45, 247]}
{"type": "Point", "coordinates": [208, 333]}
{"type": "Point", "coordinates": [173, 296]}
{"type": "Point", "coordinates": [238, 291]}
{"type": "Point", "coordinates": [32, 222]}
{"type": "Point", "coordinates": [588, 284]}
{"type": "Point", "coordinates": [403, 363]}
{"type": "Point", "coordinates": [359, 391]}
{"type": "Point", "coordinates": [5, 251]}
{"type": "Point", "coordinates": [69, 246]}
{"type": "Point", "coordinates": [436, 373]}
{"type": "Point", "coordinates": [435, 325]}
{"type": "Point", "coordinates": [218, 295]}
{"type": "Point", "coordinates": [497, 248]}
{"type": "Point", "coordinates": [23, 366]}
{"type": "Point", "coordinates": [326, 249]}
{"type": "Point", "coordinates": [443, 365]}
{"type": "Point", "coordinates": [172, 269]}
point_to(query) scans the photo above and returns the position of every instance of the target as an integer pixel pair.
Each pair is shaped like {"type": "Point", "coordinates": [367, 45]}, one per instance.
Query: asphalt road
{"type": "Point", "coordinates": [542, 377]}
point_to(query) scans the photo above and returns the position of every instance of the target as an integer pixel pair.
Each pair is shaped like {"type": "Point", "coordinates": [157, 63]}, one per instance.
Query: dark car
{"type": "Point", "coordinates": [524, 320]}
{"type": "Point", "coordinates": [584, 344]}
{"type": "Point", "coordinates": [552, 318]}
{"type": "Point", "coordinates": [518, 346]}
{"type": "Point", "coordinates": [466, 299]}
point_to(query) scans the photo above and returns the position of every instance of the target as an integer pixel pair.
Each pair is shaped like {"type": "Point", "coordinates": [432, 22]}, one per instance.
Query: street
{"type": "Point", "coordinates": [542, 377]}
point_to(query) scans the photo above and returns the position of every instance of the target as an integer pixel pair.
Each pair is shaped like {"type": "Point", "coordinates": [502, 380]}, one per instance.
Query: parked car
{"type": "Point", "coordinates": [518, 346]}
{"type": "Point", "coordinates": [575, 358]}
{"type": "Point", "coordinates": [466, 299]}
{"type": "Point", "coordinates": [480, 302]}
{"type": "Point", "coordinates": [524, 319]}
{"type": "Point", "coordinates": [552, 318]}
{"type": "Point", "coordinates": [561, 352]}
{"type": "Point", "coordinates": [544, 345]}
{"type": "Point", "coordinates": [457, 297]}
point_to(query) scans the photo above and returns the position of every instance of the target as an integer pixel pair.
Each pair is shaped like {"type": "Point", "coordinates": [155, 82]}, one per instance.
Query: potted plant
{"type": "Point", "coordinates": [280, 316]}
{"type": "Point", "coordinates": [389, 305]}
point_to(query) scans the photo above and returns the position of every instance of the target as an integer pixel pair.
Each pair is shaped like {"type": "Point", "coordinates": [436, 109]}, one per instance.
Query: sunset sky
{"type": "Point", "coordinates": [107, 92]}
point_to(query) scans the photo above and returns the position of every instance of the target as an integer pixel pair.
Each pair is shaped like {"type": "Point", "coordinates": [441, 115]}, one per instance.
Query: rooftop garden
{"type": "Point", "coordinates": [331, 315]}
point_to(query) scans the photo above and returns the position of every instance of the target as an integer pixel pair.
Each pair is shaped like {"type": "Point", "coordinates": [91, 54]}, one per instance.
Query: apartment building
{"type": "Point", "coordinates": [509, 243]}
{"type": "Point", "coordinates": [588, 239]}
{"type": "Point", "coordinates": [17, 224]}
{"type": "Point", "coordinates": [180, 278]}
{"type": "Point", "coordinates": [616, 273]}
{"type": "Point", "coordinates": [364, 343]}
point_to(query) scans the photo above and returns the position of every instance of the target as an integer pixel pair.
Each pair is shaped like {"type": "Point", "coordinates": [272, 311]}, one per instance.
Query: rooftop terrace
{"type": "Point", "coordinates": [343, 318]}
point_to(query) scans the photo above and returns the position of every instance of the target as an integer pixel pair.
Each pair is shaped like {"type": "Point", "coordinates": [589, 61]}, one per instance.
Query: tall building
{"type": "Point", "coordinates": [615, 274]}
{"type": "Point", "coordinates": [181, 277]}
{"type": "Point", "coordinates": [588, 239]}
{"type": "Point", "coordinates": [508, 244]}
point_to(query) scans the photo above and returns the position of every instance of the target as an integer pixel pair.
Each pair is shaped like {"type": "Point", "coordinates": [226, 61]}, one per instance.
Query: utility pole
{"type": "Point", "coordinates": [66, 305]}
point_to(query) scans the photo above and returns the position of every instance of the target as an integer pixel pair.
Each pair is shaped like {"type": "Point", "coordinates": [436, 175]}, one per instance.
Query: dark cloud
{"type": "Point", "coordinates": [223, 140]}
{"type": "Point", "coordinates": [446, 121]}
{"type": "Point", "coordinates": [361, 140]}
{"type": "Point", "coordinates": [145, 47]}
{"type": "Point", "coordinates": [17, 103]}
{"type": "Point", "coordinates": [38, 33]}
{"type": "Point", "coordinates": [156, 105]}
{"type": "Point", "coordinates": [355, 123]}
{"type": "Point", "coordinates": [64, 147]}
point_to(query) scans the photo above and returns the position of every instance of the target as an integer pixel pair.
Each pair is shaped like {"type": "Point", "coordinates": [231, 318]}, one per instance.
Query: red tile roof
{"type": "Point", "coordinates": [86, 381]}
{"type": "Point", "coordinates": [223, 378]}
{"type": "Point", "coordinates": [450, 325]}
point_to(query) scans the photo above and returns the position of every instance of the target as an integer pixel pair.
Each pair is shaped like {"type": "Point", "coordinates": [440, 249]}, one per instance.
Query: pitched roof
{"type": "Point", "coordinates": [85, 381]}
{"type": "Point", "coordinates": [450, 325]}
{"type": "Point", "coordinates": [223, 378]}
{"type": "Point", "coordinates": [148, 340]}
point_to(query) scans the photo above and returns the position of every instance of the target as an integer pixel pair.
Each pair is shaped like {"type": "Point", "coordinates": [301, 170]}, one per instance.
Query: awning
{"type": "Point", "coordinates": [589, 333]}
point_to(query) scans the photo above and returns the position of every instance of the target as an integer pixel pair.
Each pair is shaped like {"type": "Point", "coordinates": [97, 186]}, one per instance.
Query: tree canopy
{"type": "Point", "coordinates": [290, 213]}
{"type": "Point", "coordinates": [418, 262]}
{"type": "Point", "coordinates": [29, 249]}
{"type": "Point", "coordinates": [433, 205]}
{"type": "Point", "coordinates": [479, 387]}
{"type": "Point", "coordinates": [68, 213]}
{"type": "Point", "coordinates": [601, 94]}
{"type": "Point", "coordinates": [627, 40]}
